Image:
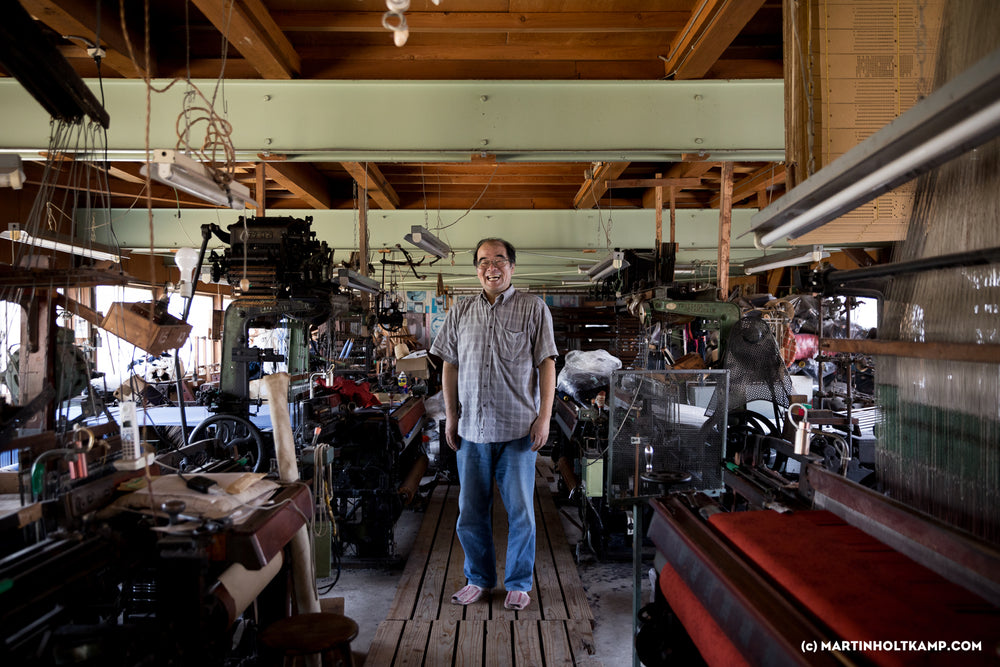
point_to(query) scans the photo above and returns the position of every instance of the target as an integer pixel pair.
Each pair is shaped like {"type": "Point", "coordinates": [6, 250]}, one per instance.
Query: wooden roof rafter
{"type": "Point", "coordinates": [368, 177]}
{"type": "Point", "coordinates": [758, 181]}
{"type": "Point", "coordinates": [253, 33]}
{"type": "Point", "coordinates": [479, 22]}
{"type": "Point", "coordinates": [712, 27]}
{"type": "Point", "coordinates": [303, 180]}
{"type": "Point", "coordinates": [595, 184]}
{"type": "Point", "coordinates": [77, 18]}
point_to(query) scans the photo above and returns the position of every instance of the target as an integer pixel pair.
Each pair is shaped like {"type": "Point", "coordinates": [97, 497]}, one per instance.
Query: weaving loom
{"type": "Point", "coordinates": [908, 574]}
{"type": "Point", "coordinates": [941, 446]}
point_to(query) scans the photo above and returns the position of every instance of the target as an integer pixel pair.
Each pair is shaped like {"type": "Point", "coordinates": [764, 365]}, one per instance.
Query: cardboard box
{"type": "Point", "coordinates": [131, 322]}
{"type": "Point", "coordinates": [417, 365]}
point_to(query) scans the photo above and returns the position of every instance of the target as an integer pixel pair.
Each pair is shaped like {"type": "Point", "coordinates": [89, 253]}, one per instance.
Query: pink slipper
{"type": "Point", "coordinates": [468, 594]}
{"type": "Point", "coordinates": [516, 600]}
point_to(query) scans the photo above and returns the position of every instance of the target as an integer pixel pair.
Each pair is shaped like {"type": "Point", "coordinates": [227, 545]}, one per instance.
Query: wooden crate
{"type": "Point", "coordinates": [131, 322]}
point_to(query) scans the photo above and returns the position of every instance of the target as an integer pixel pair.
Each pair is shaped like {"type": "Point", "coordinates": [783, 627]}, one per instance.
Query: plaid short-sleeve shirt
{"type": "Point", "coordinates": [497, 349]}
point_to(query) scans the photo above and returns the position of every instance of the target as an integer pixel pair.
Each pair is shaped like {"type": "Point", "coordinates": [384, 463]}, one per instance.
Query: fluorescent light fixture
{"type": "Point", "coordinates": [61, 244]}
{"type": "Point", "coordinates": [578, 281]}
{"type": "Point", "coordinates": [11, 173]}
{"type": "Point", "coordinates": [610, 264]}
{"type": "Point", "coordinates": [962, 114]}
{"type": "Point", "coordinates": [803, 255]}
{"type": "Point", "coordinates": [352, 280]}
{"type": "Point", "coordinates": [423, 239]}
{"type": "Point", "coordinates": [195, 178]}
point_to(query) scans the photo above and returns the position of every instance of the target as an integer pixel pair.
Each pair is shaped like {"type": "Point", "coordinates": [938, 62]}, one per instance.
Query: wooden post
{"type": "Point", "coordinates": [659, 216]}
{"type": "Point", "coordinates": [261, 188]}
{"type": "Point", "coordinates": [797, 20]}
{"type": "Point", "coordinates": [673, 215]}
{"type": "Point", "coordinates": [725, 227]}
{"type": "Point", "coordinates": [38, 356]}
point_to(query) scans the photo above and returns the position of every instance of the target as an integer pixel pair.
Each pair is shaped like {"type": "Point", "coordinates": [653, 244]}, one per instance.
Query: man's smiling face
{"type": "Point", "coordinates": [493, 268]}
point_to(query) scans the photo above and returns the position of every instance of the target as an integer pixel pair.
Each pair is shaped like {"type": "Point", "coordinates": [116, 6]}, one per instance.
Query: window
{"type": "Point", "coordinates": [115, 355]}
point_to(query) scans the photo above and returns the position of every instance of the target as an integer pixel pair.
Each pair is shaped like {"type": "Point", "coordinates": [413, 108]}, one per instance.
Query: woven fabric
{"type": "Point", "coordinates": [862, 589]}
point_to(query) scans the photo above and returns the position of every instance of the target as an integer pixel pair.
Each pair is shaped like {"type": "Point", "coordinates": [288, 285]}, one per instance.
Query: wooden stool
{"type": "Point", "coordinates": [330, 635]}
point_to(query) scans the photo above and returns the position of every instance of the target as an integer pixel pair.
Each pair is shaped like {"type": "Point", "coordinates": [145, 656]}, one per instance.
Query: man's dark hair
{"type": "Point", "coordinates": [508, 248]}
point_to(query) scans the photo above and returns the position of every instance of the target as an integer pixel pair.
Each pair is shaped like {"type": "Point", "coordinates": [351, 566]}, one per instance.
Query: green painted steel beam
{"type": "Point", "coordinates": [441, 120]}
{"type": "Point", "coordinates": [578, 230]}
{"type": "Point", "coordinates": [551, 244]}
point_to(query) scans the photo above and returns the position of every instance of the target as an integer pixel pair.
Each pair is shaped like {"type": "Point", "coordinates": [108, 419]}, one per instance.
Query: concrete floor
{"type": "Point", "coordinates": [368, 594]}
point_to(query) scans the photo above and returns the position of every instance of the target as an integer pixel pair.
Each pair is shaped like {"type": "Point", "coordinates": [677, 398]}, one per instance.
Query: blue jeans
{"type": "Point", "coordinates": [513, 465]}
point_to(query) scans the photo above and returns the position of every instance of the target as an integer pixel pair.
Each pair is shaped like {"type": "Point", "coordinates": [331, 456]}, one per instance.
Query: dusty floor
{"type": "Point", "coordinates": [368, 593]}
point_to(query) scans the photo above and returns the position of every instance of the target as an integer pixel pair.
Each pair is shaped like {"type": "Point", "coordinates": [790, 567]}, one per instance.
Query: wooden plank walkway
{"type": "Point", "coordinates": [424, 629]}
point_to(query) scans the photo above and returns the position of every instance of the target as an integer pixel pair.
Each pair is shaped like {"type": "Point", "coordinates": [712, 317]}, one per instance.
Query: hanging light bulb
{"type": "Point", "coordinates": [187, 261]}
{"type": "Point", "coordinates": [399, 37]}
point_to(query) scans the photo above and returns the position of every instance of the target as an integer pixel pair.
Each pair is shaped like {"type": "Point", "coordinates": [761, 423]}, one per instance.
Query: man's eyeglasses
{"type": "Point", "coordinates": [499, 262]}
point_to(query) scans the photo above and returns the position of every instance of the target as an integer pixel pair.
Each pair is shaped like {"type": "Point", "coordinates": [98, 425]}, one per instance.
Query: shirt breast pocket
{"type": "Point", "coordinates": [512, 346]}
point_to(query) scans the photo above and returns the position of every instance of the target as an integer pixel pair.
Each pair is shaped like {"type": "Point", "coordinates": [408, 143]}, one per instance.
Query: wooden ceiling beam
{"type": "Point", "coordinates": [859, 256]}
{"type": "Point", "coordinates": [595, 186]}
{"type": "Point", "coordinates": [533, 200]}
{"type": "Point", "coordinates": [477, 22]}
{"type": "Point", "coordinates": [746, 68]}
{"type": "Point", "coordinates": [255, 35]}
{"type": "Point", "coordinates": [481, 179]}
{"type": "Point", "coordinates": [429, 70]}
{"type": "Point", "coordinates": [368, 177]}
{"type": "Point", "coordinates": [712, 27]}
{"type": "Point", "coordinates": [682, 198]}
{"type": "Point", "coordinates": [756, 182]}
{"type": "Point", "coordinates": [697, 169]}
{"type": "Point", "coordinates": [304, 181]}
{"type": "Point", "coordinates": [78, 18]}
{"type": "Point", "coordinates": [513, 190]}
{"type": "Point", "coordinates": [443, 52]}
{"type": "Point", "coordinates": [654, 183]}
{"type": "Point", "coordinates": [428, 169]}
{"type": "Point", "coordinates": [209, 68]}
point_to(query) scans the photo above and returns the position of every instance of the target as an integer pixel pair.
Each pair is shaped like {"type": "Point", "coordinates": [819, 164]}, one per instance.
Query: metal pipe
{"type": "Point", "coordinates": [312, 387]}
{"type": "Point", "coordinates": [962, 114]}
{"type": "Point", "coordinates": [950, 261]}
{"type": "Point", "coordinates": [206, 234]}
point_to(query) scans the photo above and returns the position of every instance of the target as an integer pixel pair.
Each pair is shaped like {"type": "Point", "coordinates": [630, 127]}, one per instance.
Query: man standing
{"type": "Point", "coordinates": [499, 379]}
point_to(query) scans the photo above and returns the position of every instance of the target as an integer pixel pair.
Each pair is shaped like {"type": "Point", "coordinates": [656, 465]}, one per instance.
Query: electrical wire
{"type": "Point", "coordinates": [476, 202]}
{"type": "Point", "coordinates": [322, 486]}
